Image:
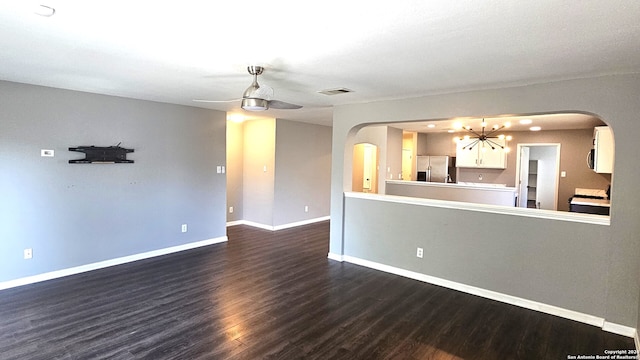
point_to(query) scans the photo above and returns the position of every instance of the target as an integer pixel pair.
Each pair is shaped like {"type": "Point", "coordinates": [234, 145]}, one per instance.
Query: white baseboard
{"type": "Point", "coordinates": [278, 227]}
{"type": "Point", "coordinates": [493, 295]}
{"type": "Point", "coordinates": [107, 263]}
{"type": "Point", "coordinates": [637, 339]}
{"type": "Point", "coordinates": [300, 223]}
{"type": "Point", "coordinates": [335, 257]}
{"type": "Point", "coordinates": [619, 329]}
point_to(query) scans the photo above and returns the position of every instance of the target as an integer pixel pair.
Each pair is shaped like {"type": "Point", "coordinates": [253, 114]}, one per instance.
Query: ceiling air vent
{"type": "Point", "coordinates": [335, 91]}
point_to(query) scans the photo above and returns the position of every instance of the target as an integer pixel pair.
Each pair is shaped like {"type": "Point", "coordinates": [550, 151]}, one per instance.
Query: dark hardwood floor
{"type": "Point", "coordinates": [273, 295]}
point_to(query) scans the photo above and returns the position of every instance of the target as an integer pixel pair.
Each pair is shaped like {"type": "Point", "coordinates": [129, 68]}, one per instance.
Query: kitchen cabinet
{"type": "Point", "coordinates": [603, 150]}
{"type": "Point", "coordinates": [481, 156]}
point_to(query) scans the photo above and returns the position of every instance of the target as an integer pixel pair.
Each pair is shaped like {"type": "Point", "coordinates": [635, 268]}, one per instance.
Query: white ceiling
{"type": "Point", "coordinates": [175, 52]}
{"type": "Point", "coordinates": [547, 122]}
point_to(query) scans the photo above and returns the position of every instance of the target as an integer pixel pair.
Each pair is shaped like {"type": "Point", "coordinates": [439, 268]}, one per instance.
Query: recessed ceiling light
{"type": "Point", "coordinates": [431, 126]}
{"type": "Point", "coordinates": [526, 121]}
{"type": "Point", "coordinates": [451, 131]}
{"type": "Point", "coordinates": [44, 10]}
{"type": "Point", "coordinates": [535, 128]}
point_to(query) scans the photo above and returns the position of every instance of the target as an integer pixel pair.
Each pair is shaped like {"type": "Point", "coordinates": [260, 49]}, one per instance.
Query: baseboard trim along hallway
{"type": "Point", "coordinates": [107, 263]}
{"type": "Point", "coordinates": [493, 295]}
{"type": "Point", "coordinates": [277, 227]}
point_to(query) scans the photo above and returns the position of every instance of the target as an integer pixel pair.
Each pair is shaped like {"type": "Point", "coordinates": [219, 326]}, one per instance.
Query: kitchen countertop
{"type": "Point", "coordinates": [591, 202]}
{"type": "Point", "coordinates": [483, 186]}
{"type": "Point", "coordinates": [493, 194]}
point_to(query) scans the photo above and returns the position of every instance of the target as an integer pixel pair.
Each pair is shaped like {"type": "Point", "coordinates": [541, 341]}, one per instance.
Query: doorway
{"type": "Point", "coordinates": [365, 168]}
{"type": "Point", "coordinates": [538, 175]}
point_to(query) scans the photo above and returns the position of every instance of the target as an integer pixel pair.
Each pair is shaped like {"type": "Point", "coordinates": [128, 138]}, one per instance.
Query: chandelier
{"type": "Point", "coordinates": [485, 137]}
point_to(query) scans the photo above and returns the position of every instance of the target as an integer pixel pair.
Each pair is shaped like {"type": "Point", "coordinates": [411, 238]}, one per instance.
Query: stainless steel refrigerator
{"type": "Point", "coordinates": [439, 168]}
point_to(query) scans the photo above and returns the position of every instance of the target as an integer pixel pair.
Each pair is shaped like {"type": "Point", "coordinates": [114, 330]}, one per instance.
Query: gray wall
{"type": "Point", "coordinates": [497, 258]}
{"type": "Point", "coordinates": [258, 174]}
{"type": "Point", "coordinates": [297, 157]}
{"type": "Point", "coordinates": [303, 171]}
{"type": "Point", "coordinates": [76, 214]}
{"type": "Point", "coordinates": [394, 153]}
{"type": "Point", "coordinates": [612, 98]}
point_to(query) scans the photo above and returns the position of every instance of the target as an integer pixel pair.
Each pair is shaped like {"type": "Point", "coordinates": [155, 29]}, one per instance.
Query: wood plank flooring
{"type": "Point", "coordinates": [273, 295]}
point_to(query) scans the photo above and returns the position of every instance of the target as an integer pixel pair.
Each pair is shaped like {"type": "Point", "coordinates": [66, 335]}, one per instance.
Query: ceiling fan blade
{"type": "Point", "coordinates": [215, 101]}
{"type": "Point", "coordinates": [276, 104]}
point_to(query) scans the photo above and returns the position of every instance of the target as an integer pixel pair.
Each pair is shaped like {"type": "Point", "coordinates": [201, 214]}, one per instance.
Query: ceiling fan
{"type": "Point", "coordinates": [257, 97]}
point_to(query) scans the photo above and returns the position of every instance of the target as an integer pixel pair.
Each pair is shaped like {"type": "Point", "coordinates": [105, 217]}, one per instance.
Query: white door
{"type": "Point", "coordinates": [407, 164]}
{"type": "Point", "coordinates": [368, 167]}
{"type": "Point", "coordinates": [524, 177]}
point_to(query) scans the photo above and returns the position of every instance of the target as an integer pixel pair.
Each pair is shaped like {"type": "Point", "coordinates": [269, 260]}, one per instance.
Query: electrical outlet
{"type": "Point", "coordinates": [419, 253]}
{"type": "Point", "coordinates": [28, 254]}
{"type": "Point", "coordinates": [184, 227]}
{"type": "Point", "coordinates": [306, 208]}
{"type": "Point", "coordinates": [230, 209]}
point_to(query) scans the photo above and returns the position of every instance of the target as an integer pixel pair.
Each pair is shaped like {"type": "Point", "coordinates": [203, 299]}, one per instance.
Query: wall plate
{"type": "Point", "coordinates": [47, 153]}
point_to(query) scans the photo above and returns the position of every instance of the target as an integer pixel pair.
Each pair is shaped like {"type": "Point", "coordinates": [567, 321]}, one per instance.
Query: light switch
{"type": "Point", "coordinates": [563, 174]}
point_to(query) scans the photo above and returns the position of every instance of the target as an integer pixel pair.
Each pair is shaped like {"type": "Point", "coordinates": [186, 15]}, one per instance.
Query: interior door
{"type": "Point", "coordinates": [524, 177]}
{"type": "Point", "coordinates": [365, 168]}
{"type": "Point", "coordinates": [407, 164]}
{"type": "Point", "coordinates": [368, 168]}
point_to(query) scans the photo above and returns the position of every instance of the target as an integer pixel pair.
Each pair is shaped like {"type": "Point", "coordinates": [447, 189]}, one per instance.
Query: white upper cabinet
{"type": "Point", "coordinates": [481, 156]}
{"type": "Point", "coordinates": [603, 154]}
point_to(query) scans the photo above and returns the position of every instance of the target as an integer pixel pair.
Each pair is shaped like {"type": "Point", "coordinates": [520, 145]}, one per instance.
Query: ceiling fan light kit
{"type": "Point", "coordinates": [252, 104]}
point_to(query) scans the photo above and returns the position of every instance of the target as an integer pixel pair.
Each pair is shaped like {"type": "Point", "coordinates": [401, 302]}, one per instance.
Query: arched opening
{"type": "Point", "coordinates": [562, 142]}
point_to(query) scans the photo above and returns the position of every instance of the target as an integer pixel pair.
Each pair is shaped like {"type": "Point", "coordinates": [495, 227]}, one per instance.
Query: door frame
{"type": "Point", "coordinates": [557, 167]}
